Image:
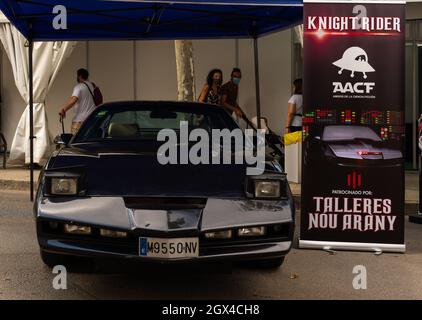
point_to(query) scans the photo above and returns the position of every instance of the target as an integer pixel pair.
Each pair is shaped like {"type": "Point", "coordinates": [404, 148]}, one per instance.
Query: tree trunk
{"type": "Point", "coordinates": [185, 70]}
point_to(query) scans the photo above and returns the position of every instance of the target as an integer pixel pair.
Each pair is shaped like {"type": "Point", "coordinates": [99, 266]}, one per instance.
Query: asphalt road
{"type": "Point", "coordinates": [306, 274]}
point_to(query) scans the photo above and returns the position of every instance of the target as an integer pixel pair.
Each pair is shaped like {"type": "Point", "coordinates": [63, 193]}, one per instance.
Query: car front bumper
{"type": "Point", "coordinates": [267, 250]}
{"type": "Point", "coordinates": [113, 213]}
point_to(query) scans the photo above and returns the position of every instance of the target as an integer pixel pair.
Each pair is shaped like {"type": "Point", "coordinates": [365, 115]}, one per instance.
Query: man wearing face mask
{"type": "Point", "coordinates": [82, 100]}
{"type": "Point", "coordinates": [229, 93]}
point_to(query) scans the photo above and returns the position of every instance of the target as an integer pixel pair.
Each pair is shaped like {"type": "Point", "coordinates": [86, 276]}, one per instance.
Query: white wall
{"type": "Point", "coordinates": [156, 70]}
{"type": "Point", "coordinates": [112, 67]}
{"type": "Point", "coordinates": [275, 76]}
{"type": "Point", "coordinates": [413, 10]}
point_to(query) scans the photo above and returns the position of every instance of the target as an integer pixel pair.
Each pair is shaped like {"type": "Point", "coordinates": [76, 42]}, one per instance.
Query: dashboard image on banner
{"type": "Point", "coordinates": [353, 124]}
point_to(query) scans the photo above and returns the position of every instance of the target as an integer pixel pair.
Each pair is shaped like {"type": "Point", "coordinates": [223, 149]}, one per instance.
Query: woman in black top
{"type": "Point", "coordinates": [211, 92]}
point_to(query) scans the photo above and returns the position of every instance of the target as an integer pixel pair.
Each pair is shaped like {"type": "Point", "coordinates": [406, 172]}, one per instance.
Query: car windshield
{"type": "Point", "coordinates": [143, 122]}
{"type": "Point", "coordinates": [340, 133]}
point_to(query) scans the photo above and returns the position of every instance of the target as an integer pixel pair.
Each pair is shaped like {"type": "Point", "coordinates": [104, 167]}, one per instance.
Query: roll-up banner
{"type": "Point", "coordinates": [353, 126]}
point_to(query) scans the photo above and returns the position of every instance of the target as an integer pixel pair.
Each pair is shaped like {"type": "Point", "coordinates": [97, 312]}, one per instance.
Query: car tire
{"type": "Point", "coordinates": [53, 259]}
{"type": "Point", "coordinates": [268, 263]}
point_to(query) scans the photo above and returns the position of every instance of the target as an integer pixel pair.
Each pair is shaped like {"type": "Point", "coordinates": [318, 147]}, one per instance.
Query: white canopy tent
{"type": "Point", "coordinates": [48, 57]}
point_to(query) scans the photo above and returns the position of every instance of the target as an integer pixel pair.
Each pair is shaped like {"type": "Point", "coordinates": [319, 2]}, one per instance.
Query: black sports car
{"type": "Point", "coordinates": [104, 193]}
{"type": "Point", "coordinates": [343, 145]}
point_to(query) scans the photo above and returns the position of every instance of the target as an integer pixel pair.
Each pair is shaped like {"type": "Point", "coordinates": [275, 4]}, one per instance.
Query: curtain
{"type": "Point", "coordinates": [48, 58]}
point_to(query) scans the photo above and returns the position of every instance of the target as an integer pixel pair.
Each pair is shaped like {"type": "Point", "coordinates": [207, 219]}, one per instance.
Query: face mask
{"type": "Point", "coordinates": [236, 81]}
{"type": "Point", "coordinates": [217, 82]}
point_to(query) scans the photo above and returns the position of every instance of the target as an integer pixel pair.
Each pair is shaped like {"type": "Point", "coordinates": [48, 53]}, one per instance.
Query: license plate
{"type": "Point", "coordinates": [168, 248]}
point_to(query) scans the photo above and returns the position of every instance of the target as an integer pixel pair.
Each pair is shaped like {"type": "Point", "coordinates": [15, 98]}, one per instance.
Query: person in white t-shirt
{"type": "Point", "coordinates": [295, 105]}
{"type": "Point", "coordinates": [82, 100]}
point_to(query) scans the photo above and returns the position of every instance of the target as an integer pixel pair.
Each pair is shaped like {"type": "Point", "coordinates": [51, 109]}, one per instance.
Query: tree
{"type": "Point", "coordinates": [185, 70]}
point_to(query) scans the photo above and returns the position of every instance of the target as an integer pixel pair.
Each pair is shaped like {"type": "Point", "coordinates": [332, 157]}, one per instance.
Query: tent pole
{"type": "Point", "coordinates": [31, 119]}
{"type": "Point", "coordinates": [257, 91]}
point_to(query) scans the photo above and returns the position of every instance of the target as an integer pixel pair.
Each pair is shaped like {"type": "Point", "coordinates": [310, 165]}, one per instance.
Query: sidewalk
{"type": "Point", "coordinates": [16, 178]}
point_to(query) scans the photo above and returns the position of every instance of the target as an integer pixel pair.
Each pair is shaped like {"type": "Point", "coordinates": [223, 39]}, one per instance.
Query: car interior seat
{"type": "Point", "coordinates": [120, 130]}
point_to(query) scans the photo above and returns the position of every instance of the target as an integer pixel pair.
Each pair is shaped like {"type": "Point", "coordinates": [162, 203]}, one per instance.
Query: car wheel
{"type": "Point", "coordinates": [53, 259]}
{"type": "Point", "coordinates": [268, 263]}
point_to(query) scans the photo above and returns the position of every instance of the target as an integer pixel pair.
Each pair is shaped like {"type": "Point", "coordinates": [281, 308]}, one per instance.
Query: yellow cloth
{"type": "Point", "coordinates": [293, 137]}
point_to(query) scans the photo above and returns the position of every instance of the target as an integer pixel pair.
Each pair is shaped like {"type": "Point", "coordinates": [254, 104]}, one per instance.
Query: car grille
{"type": "Point", "coordinates": [163, 203]}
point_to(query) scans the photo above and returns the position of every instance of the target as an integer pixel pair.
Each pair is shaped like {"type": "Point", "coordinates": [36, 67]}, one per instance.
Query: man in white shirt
{"type": "Point", "coordinates": [82, 100]}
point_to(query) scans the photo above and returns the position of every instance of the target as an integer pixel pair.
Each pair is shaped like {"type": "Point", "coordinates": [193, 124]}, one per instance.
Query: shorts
{"type": "Point", "coordinates": [295, 128]}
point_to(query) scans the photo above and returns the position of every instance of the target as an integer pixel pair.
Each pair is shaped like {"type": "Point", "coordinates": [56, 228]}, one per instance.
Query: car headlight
{"type": "Point", "coordinates": [62, 183]}
{"type": "Point", "coordinates": [112, 233]}
{"type": "Point", "coordinates": [267, 186]}
{"type": "Point", "coordinates": [222, 234]}
{"type": "Point", "coordinates": [252, 231]}
{"type": "Point", "coordinates": [267, 189]}
{"type": "Point", "coordinates": [75, 229]}
{"type": "Point", "coordinates": [64, 186]}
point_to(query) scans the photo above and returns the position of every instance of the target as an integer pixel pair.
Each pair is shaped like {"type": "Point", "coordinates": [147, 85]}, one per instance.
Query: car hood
{"type": "Point", "coordinates": [130, 172]}
{"type": "Point", "coordinates": [364, 150]}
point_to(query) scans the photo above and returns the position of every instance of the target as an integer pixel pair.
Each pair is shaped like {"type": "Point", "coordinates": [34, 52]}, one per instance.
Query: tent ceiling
{"type": "Point", "coordinates": [153, 19]}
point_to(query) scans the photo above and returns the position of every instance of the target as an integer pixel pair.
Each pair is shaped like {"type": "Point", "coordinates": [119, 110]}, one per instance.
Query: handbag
{"type": "Point", "coordinates": [97, 96]}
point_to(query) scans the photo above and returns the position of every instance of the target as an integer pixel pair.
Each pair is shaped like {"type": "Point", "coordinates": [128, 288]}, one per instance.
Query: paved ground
{"type": "Point", "coordinates": [412, 186]}
{"type": "Point", "coordinates": [305, 274]}
{"type": "Point", "coordinates": [17, 174]}
{"type": "Point", "coordinates": [16, 178]}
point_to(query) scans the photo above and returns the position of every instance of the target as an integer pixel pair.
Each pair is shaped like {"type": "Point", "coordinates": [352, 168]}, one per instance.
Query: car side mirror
{"type": "Point", "coordinates": [317, 138]}
{"type": "Point", "coordinates": [63, 139]}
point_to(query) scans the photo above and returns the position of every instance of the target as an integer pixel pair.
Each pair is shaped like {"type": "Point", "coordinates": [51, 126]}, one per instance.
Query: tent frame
{"type": "Point", "coordinates": [253, 35]}
{"type": "Point", "coordinates": [31, 113]}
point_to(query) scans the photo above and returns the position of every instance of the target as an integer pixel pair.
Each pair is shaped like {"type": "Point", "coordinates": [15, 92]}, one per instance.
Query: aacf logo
{"type": "Point", "coordinates": [354, 59]}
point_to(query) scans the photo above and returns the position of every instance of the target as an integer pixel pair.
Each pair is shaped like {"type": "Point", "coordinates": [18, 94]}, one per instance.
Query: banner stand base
{"type": "Point", "coordinates": [353, 246]}
{"type": "Point", "coordinates": [415, 218]}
